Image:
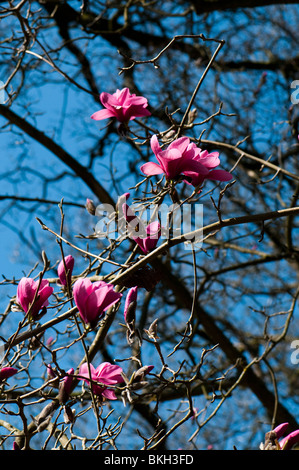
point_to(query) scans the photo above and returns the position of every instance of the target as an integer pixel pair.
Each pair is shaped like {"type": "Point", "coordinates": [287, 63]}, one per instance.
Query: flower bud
{"type": "Point", "coordinates": [65, 386]}
{"type": "Point", "coordinates": [7, 372]}
{"type": "Point", "coordinates": [152, 331]}
{"type": "Point", "coordinates": [65, 269]}
{"type": "Point", "coordinates": [130, 306]}
{"type": "Point", "coordinates": [68, 415]}
{"type": "Point", "coordinates": [90, 207]}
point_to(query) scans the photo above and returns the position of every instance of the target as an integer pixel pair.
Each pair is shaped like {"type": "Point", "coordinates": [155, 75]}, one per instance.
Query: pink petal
{"type": "Point", "coordinates": [122, 96]}
{"type": "Point", "coordinates": [102, 114]}
{"type": "Point", "coordinates": [153, 229]}
{"type": "Point", "coordinates": [25, 292]}
{"type": "Point", "coordinates": [180, 144]}
{"type": "Point", "coordinates": [289, 441]}
{"type": "Point", "coordinates": [100, 300]}
{"type": "Point", "coordinates": [155, 146]}
{"type": "Point", "coordinates": [219, 175]}
{"type": "Point", "coordinates": [281, 429]}
{"type": "Point", "coordinates": [211, 160]}
{"type": "Point", "coordinates": [80, 293]}
{"type": "Point", "coordinates": [109, 374]}
{"type": "Point", "coordinates": [151, 168]}
{"type": "Point", "coordinates": [135, 111]}
{"type": "Point", "coordinates": [7, 372]}
{"type": "Point", "coordinates": [109, 394]}
{"type": "Point", "coordinates": [110, 101]}
{"type": "Point", "coordinates": [84, 372]}
{"type": "Point", "coordinates": [194, 166]}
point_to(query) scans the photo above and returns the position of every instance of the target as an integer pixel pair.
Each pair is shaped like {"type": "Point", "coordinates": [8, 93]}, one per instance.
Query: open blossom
{"type": "Point", "coordinates": [69, 265]}
{"type": "Point", "coordinates": [27, 288]}
{"type": "Point", "coordinates": [173, 161]}
{"type": "Point", "coordinates": [105, 375]}
{"type": "Point", "coordinates": [122, 105]}
{"type": "Point", "coordinates": [147, 237]}
{"type": "Point", "coordinates": [6, 372]}
{"type": "Point", "coordinates": [93, 299]}
{"type": "Point", "coordinates": [184, 158]}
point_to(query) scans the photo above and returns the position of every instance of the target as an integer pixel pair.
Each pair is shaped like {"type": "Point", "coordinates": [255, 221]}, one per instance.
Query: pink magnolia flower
{"type": "Point", "coordinates": [175, 160]}
{"type": "Point", "coordinates": [27, 288]}
{"type": "Point", "coordinates": [148, 236]}
{"type": "Point", "coordinates": [105, 374]}
{"type": "Point", "coordinates": [69, 264]}
{"type": "Point", "coordinates": [6, 372]}
{"type": "Point", "coordinates": [122, 105]}
{"type": "Point", "coordinates": [93, 299]}
{"type": "Point", "coordinates": [184, 158]}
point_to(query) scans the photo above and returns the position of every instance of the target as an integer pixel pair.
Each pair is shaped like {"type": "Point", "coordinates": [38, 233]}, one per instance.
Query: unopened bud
{"type": "Point", "coordinates": [65, 386]}
{"type": "Point", "coordinates": [140, 373]}
{"type": "Point", "coordinates": [152, 331]}
{"type": "Point", "coordinates": [130, 305]}
{"type": "Point", "coordinates": [90, 207]}
{"type": "Point", "coordinates": [68, 415]}
{"type": "Point", "coordinates": [192, 115]}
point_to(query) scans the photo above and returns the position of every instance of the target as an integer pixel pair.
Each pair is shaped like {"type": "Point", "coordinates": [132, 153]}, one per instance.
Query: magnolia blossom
{"type": "Point", "coordinates": [104, 375]}
{"type": "Point", "coordinates": [26, 295]}
{"type": "Point", "coordinates": [122, 105]}
{"type": "Point", "coordinates": [147, 237]}
{"type": "Point", "coordinates": [184, 158]}
{"type": "Point", "coordinates": [173, 161]}
{"type": "Point", "coordinates": [93, 299]}
{"type": "Point", "coordinates": [6, 372]}
{"type": "Point", "coordinates": [69, 265]}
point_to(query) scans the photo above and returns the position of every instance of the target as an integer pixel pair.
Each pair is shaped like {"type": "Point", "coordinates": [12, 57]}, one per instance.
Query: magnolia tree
{"type": "Point", "coordinates": [150, 331]}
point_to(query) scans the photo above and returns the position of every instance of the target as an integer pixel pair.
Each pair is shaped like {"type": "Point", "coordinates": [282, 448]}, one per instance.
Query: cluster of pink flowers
{"type": "Point", "coordinates": [92, 299]}
{"type": "Point", "coordinates": [181, 158]}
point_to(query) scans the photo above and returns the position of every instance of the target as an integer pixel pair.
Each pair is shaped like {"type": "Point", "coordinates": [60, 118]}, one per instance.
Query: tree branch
{"type": "Point", "coordinates": [59, 152]}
